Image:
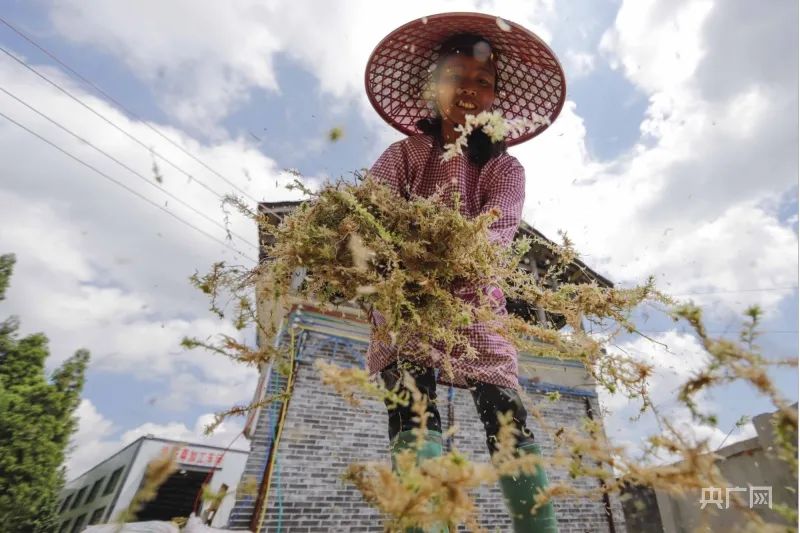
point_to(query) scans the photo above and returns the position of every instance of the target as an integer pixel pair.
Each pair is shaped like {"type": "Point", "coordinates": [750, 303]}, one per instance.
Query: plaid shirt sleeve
{"type": "Point", "coordinates": [391, 169]}
{"type": "Point", "coordinates": [506, 191]}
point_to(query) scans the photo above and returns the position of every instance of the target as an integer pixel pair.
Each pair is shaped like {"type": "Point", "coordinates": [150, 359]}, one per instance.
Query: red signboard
{"type": "Point", "coordinates": [194, 456]}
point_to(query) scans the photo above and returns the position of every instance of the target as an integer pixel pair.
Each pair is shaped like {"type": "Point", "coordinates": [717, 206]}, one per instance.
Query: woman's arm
{"type": "Point", "coordinates": [506, 191]}
{"type": "Point", "coordinates": [391, 169]}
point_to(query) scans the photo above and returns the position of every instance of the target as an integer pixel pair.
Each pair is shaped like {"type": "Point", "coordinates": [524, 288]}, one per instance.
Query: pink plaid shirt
{"type": "Point", "coordinates": [414, 167]}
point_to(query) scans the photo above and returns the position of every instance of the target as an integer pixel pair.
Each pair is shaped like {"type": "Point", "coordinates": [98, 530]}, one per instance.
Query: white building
{"type": "Point", "coordinates": [96, 496]}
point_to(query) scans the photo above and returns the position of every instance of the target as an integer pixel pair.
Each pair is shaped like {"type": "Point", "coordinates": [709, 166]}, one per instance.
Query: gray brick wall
{"type": "Point", "coordinates": [322, 435]}
{"type": "Point", "coordinates": [256, 464]}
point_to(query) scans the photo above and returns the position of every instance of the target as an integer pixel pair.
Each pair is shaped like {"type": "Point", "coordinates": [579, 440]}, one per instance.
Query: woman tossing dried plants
{"type": "Point", "coordinates": [423, 245]}
{"type": "Point", "coordinates": [363, 244]}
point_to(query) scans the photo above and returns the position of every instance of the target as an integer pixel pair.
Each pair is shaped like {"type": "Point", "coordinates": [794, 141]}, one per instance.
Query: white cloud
{"type": "Point", "coordinates": [201, 61]}
{"type": "Point", "coordinates": [695, 434]}
{"type": "Point", "coordinates": [694, 202]}
{"type": "Point", "coordinates": [90, 442]}
{"type": "Point", "coordinates": [726, 246]}
{"type": "Point", "coordinates": [226, 385]}
{"type": "Point", "coordinates": [745, 248]}
{"type": "Point", "coordinates": [97, 267]}
{"type": "Point", "coordinates": [578, 64]}
{"type": "Point", "coordinates": [658, 44]}
{"type": "Point", "coordinates": [95, 253]}
{"type": "Point", "coordinates": [675, 358]}
{"type": "Point", "coordinates": [222, 436]}
{"type": "Point", "coordinates": [94, 440]}
{"type": "Point", "coordinates": [204, 60]}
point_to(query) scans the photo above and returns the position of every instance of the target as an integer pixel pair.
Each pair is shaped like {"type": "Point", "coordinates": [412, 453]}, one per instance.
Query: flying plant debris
{"type": "Point", "coordinates": [493, 124]}
{"type": "Point", "coordinates": [157, 472]}
{"type": "Point", "coordinates": [156, 170]}
{"type": "Point", "coordinates": [418, 263]}
{"type": "Point", "coordinates": [335, 134]}
{"type": "Point", "coordinates": [421, 265]}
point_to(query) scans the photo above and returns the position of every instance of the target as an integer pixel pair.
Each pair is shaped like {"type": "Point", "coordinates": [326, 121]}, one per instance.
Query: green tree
{"type": "Point", "coordinates": [37, 418]}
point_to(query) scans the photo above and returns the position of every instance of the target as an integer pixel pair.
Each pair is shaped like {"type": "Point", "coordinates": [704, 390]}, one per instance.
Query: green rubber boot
{"type": "Point", "coordinates": [520, 492]}
{"type": "Point", "coordinates": [430, 448]}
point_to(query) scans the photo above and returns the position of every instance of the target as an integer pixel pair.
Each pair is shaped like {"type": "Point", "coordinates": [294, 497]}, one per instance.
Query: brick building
{"type": "Point", "coordinates": [300, 448]}
{"type": "Point", "coordinates": [98, 495]}
{"type": "Point", "coordinates": [754, 473]}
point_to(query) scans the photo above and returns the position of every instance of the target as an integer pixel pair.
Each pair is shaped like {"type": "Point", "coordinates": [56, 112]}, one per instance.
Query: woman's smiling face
{"type": "Point", "coordinates": [464, 86]}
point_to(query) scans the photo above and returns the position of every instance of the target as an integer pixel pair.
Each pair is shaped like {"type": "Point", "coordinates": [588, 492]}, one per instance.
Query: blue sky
{"type": "Point", "coordinates": [676, 155]}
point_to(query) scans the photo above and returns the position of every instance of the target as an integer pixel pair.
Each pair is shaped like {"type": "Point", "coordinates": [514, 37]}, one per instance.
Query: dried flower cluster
{"type": "Point", "coordinates": [494, 125]}
{"type": "Point", "coordinates": [406, 259]}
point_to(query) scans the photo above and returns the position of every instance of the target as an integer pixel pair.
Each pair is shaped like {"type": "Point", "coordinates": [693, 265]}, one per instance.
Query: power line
{"type": "Point", "coordinates": [79, 76]}
{"type": "Point", "coordinates": [717, 332]}
{"type": "Point", "coordinates": [737, 291]}
{"type": "Point", "coordinates": [710, 332]}
{"type": "Point", "coordinates": [119, 183]}
{"type": "Point", "coordinates": [126, 167]}
{"type": "Point", "coordinates": [120, 129]}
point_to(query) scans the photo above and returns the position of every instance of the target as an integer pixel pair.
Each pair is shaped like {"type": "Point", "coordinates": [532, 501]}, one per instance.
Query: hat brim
{"type": "Point", "coordinates": [530, 80]}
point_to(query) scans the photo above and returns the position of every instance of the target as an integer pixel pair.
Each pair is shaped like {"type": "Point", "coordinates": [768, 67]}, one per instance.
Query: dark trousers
{"type": "Point", "coordinates": [489, 401]}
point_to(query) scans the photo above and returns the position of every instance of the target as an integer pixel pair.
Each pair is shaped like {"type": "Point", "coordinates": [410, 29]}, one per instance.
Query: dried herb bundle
{"type": "Point", "coordinates": [411, 260]}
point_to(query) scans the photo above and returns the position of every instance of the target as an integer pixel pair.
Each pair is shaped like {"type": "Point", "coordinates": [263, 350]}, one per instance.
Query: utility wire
{"type": "Point", "coordinates": [717, 332]}
{"type": "Point", "coordinates": [79, 76]}
{"type": "Point", "coordinates": [133, 114]}
{"type": "Point", "coordinates": [120, 184]}
{"type": "Point", "coordinates": [121, 130]}
{"type": "Point", "coordinates": [738, 291]}
{"type": "Point", "coordinates": [126, 167]}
